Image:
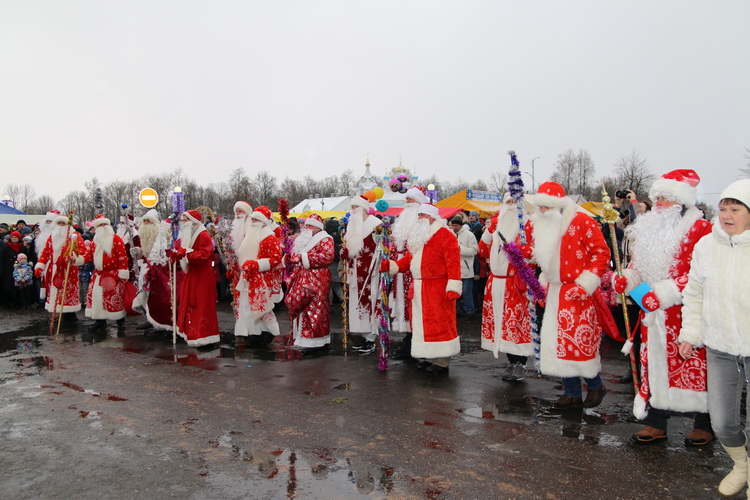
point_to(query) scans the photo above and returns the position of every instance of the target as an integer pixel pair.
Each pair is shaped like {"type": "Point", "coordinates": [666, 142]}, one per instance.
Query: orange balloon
{"type": "Point", "coordinates": [370, 195]}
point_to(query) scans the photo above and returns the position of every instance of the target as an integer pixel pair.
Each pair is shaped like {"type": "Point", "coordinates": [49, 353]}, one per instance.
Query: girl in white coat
{"type": "Point", "coordinates": [715, 314]}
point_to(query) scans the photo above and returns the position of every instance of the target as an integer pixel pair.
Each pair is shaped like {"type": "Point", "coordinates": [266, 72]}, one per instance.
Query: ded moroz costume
{"type": "Point", "coordinates": [153, 283]}
{"type": "Point", "coordinates": [506, 324]}
{"type": "Point", "coordinates": [572, 253]}
{"type": "Point", "coordinates": [258, 256]}
{"type": "Point", "coordinates": [362, 273]}
{"type": "Point", "coordinates": [105, 298]}
{"type": "Point", "coordinates": [434, 260]}
{"type": "Point", "coordinates": [196, 302]}
{"type": "Point", "coordinates": [309, 285]}
{"type": "Point", "coordinates": [661, 246]}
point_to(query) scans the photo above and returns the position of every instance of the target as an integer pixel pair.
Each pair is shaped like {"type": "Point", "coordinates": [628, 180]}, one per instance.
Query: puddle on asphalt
{"type": "Point", "coordinates": [320, 474]}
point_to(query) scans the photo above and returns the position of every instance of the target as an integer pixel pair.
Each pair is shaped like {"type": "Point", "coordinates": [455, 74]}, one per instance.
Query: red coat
{"type": "Point", "coordinates": [54, 266]}
{"type": "Point", "coordinates": [197, 322]}
{"type": "Point", "coordinates": [254, 296]}
{"type": "Point", "coordinates": [668, 381]}
{"type": "Point", "coordinates": [436, 269]}
{"type": "Point", "coordinates": [106, 295]}
{"type": "Point", "coordinates": [506, 322]}
{"type": "Point", "coordinates": [573, 258]}
{"type": "Point", "coordinates": [310, 283]}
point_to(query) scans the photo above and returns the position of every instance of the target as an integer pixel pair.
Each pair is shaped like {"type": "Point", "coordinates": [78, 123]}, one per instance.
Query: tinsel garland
{"type": "Point", "coordinates": [515, 258]}
{"type": "Point", "coordinates": [515, 187]}
{"type": "Point", "coordinates": [384, 232]}
{"type": "Point", "coordinates": [223, 239]}
{"type": "Point", "coordinates": [345, 291]}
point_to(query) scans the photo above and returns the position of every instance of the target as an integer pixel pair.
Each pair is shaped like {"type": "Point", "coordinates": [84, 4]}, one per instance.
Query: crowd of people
{"type": "Point", "coordinates": [542, 274]}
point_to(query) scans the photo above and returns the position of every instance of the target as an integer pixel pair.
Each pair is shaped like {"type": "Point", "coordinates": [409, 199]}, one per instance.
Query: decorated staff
{"type": "Point", "coordinates": [383, 237]}
{"type": "Point", "coordinates": [178, 206]}
{"type": "Point", "coordinates": [534, 291]}
{"type": "Point", "coordinates": [610, 216]}
{"type": "Point", "coordinates": [345, 290]}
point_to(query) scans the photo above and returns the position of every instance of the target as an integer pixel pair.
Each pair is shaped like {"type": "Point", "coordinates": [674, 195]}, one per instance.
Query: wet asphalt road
{"type": "Point", "coordinates": [133, 417]}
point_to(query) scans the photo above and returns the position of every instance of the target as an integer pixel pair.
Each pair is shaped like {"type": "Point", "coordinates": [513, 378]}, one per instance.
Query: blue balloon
{"type": "Point", "coordinates": [381, 205]}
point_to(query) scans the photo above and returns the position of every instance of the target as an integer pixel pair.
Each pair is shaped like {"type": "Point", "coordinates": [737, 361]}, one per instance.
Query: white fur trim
{"type": "Point", "coordinates": [431, 210]}
{"type": "Point", "coordinates": [627, 347]}
{"type": "Point", "coordinates": [667, 293]}
{"type": "Point", "coordinates": [213, 339]}
{"type": "Point", "coordinates": [101, 221]}
{"type": "Point", "coordinates": [40, 265]}
{"type": "Point", "coordinates": [305, 260]}
{"type": "Point", "coordinates": [123, 274]}
{"type": "Point", "coordinates": [264, 265]}
{"type": "Point", "coordinates": [672, 190]}
{"type": "Point", "coordinates": [545, 200]}
{"type": "Point", "coordinates": [454, 286]}
{"type": "Point", "coordinates": [634, 279]}
{"type": "Point", "coordinates": [244, 206]}
{"type": "Point", "coordinates": [358, 201]}
{"type": "Point", "coordinates": [97, 310]}
{"type": "Point", "coordinates": [79, 260]}
{"type": "Point", "coordinates": [487, 237]}
{"type": "Point", "coordinates": [639, 407]}
{"type": "Point", "coordinates": [314, 223]}
{"type": "Point", "coordinates": [588, 281]}
{"type": "Point", "coordinates": [316, 342]}
{"type": "Point", "coordinates": [417, 195]}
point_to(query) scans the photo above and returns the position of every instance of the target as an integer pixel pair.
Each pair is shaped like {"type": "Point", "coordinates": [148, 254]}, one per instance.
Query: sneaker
{"type": "Point", "coordinates": [508, 373]}
{"type": "Point", "coordinates": [366, 348]}
{"type": "Point", "coordinates": [519, 373]}
{"type": "Point", "coordinates": [594, 398]}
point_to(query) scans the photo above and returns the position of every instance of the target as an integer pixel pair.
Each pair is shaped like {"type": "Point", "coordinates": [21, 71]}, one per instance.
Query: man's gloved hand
{"type": "Point", "coordinates": [621, 283]}
{"type": "Point", "coordinates": [344, 254]}
{"type": "Point", "coordinates": [249, 268]}
{"type": "Point", "coordinates": [651, 301]}
{"type": "Point", "coordinates": [451, 295]}
{"type": "Point", "coordinates": [385, 265]}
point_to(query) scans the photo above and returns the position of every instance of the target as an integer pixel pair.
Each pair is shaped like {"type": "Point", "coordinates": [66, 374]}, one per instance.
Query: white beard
{"type": "Point", "coordinates": [420, 233]}
{"type": "Point", "coordinates": [158, 252]}
{"type": "Point", "coordinates": [404, 225]}
{"type": "Point", "coordinates": [148, 234]}
{"type": "Point", "coordinates": [238, 231]}
{"type": "Point", "coordinates": [103, 238]}
{"type": "Point", "coordinates": [547, 236]}
{"type": "Point", "coordinates": [251, 243]}
{"type": "Point", "coordinates": [654, 242]}
{"type": "Point", "coordinates": [41, 240]}
{"type": "Point", "coordinates": [302, 239]}
{"type": "Point", "coordinates": [59, 235]}
{"type": "Point", "coordinates": [507, 222]}
{"type": "Point", "coordinates": [355, 237]}
{"type": "Point", "coordinates": [186, 234]}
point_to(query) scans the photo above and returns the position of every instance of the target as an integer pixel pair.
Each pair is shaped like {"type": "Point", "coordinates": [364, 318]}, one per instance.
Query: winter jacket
{"type": "Point", "coordinates": [715, 311]}
{"type": "Point", "coordinates": [469, 248]}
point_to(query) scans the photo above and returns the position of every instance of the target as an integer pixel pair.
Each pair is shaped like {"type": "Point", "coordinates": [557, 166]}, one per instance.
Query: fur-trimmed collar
{"type": "Point", "coordinates": [316, 238]}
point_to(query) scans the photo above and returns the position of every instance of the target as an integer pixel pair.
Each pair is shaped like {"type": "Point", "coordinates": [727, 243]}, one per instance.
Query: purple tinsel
{"type": "Point", "coordinates": [515, 258]}
{"type": "Point", "coordinates": [178, 203]}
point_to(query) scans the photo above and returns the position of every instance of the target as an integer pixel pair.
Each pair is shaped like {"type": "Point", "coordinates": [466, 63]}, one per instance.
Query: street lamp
{"type": "Point", "coordinates": [533, 178]}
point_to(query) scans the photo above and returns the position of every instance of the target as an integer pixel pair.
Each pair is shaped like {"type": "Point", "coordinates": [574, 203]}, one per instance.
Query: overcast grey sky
{"type": "Point", "coordinates": [118, 89]}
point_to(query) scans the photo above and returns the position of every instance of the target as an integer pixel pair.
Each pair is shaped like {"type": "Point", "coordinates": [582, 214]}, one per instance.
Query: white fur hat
{"type": "Point", "coordinates": [360, 201]}
{"type": "Point", "coordinates": [431, 210]}
{"type": "Point", "coordinates": [738, 190]}
{"type": "Point", "coordinates": [678, 186]}
{"type": "Point", "coordinates": [417, 195]}
{"type": "Point", "coordinates": [152, 215]}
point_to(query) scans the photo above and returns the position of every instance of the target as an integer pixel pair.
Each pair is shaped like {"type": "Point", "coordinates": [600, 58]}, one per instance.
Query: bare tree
{"type": "Point", "coordinates": [23, 195]}
{"type": "Point", "coordinates": [264, 189]}
{"type": "Point", "coordinates": [745, 171]}
{"type": "Point", "coordinates": [632, 172]}
{"type": "Point", "coordinates": [576, 172]}
{"type": "Point", "coordinates": [42, 204]}
{"type": "Point", "coordinates": [292, 190]}
{"type": "Point", "coordinates": [239, 186]}
{"type": "Point", "coordinates": [498, 183]}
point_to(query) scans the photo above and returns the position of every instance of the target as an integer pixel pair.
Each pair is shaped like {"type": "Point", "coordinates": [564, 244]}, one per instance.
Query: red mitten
{"type": "Point", "coordinates": [249, 268]}
{"type": "Point", "coordinates": [621, 282]}
{"type": "Point", "coordinates": [451, 295]}
{"type": "Point", "coordinates": [651, 301]}
{"type": "Point", "coordinates": [493, 225]}
{"type": "Point", "coordinates": [576, 293]}
{"type": "Point", "coordinates": [385, 265]}
{"type": "Point", "coordinates": [344, 254]}
{"type": "Point", "coordinates": [38, 272]}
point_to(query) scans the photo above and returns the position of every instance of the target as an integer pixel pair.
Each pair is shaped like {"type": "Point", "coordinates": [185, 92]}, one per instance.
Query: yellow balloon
{"type": "Point", "coordinates": [378, 192]}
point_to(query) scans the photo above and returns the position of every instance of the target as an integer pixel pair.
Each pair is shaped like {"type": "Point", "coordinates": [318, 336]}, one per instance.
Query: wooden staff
{"type": "Point", "coordinates": [610, 217]}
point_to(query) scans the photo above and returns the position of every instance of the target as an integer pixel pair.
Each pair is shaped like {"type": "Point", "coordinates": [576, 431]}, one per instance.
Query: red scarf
{"type": "Point", "coordinates": [15, 246]}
